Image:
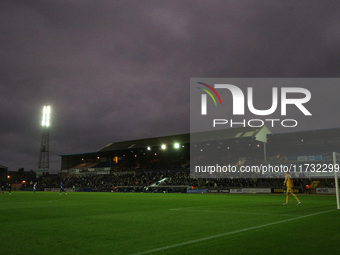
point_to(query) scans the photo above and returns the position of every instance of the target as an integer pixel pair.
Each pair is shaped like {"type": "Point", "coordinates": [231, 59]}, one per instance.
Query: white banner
{"type": "Point", "coordinates": [235, 190]}
{"type": "Point", "coordinates": [325, 190]}
{"type": "Point", "coordinates": [256, 190]}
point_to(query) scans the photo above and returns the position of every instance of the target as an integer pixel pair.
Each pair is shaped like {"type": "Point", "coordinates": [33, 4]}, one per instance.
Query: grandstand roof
{"type": "Point", "coordinates": [1, 166]}
{"type": "Point", "coordinates": [258, 133]}
{"type": "Point", "coordinates": [80, 154]}
{"type": "Point", "coordinates": [310, 134]}
{"type": "Point", "coordinates": [140, 143]}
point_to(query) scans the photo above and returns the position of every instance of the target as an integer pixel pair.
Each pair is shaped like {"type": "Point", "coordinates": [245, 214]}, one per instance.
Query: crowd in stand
{"type": "Point", "coordinates": [148, 171]}
{"type": "Point", "coordinates": [140, 180]}
{"type": "Point", "coordinates": [110, 181]}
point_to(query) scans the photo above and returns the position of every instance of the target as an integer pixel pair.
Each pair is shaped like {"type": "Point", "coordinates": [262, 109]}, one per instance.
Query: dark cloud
{"type": "Point", "coordinates": [118, 70]}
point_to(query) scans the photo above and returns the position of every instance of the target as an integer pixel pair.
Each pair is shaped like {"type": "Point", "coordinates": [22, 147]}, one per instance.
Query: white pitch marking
{"type": "Point", "coordinates": [227, 233]}
{"type": "Point", "coordinates": [191, 207]}
{"type": "Point", "coordinates": [228, 212]}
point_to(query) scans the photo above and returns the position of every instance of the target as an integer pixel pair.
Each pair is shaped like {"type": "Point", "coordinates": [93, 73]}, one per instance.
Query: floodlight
{"type": "Point", "coordinates": [149, 149]}
{"type": "Point", "coordinates": [176, 145]}
{"type": "Point", "coordinates": [163, 146]}
{"type": "Point", "coordinates": [46, 116]}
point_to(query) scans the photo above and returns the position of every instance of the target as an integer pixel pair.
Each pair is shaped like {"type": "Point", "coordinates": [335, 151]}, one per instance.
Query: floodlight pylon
{"type": "Point", "coordinates": [44, 161]}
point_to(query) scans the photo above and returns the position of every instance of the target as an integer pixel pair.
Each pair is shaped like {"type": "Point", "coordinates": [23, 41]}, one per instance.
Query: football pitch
{"type": "Point", "coordinates": [140, 223]}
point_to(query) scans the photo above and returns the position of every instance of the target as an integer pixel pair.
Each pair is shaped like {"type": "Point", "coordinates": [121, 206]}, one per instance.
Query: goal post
{"type": "Point", "coordinates": [336, 161]}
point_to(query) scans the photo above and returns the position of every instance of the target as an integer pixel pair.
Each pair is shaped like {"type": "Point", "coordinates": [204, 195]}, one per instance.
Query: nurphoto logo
{"type": "Point", "coordinates": [280, 99]}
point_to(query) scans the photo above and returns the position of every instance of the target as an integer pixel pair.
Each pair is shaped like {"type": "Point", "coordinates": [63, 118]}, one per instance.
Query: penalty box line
{"type": "Point", "coordinates": [227, 234]}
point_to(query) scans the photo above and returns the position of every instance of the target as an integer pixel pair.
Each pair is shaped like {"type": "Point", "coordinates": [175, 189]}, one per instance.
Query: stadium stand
{"type": "Point", "coordinates": [132, 166]}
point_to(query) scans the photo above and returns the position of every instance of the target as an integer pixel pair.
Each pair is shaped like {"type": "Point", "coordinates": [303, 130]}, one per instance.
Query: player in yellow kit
{"type": "Point", "coordinates": [289, 184]}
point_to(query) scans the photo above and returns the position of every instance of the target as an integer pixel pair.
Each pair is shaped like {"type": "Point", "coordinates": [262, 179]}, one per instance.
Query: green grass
{"type": "Point", "coordinates": [127, 223]}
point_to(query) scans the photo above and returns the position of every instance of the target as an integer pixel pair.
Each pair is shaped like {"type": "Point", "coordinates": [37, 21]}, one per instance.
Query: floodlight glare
{"type": "Point", "coordinates": [163, 146]}
{"type": "Point", "coordinates": [46, 116]}
{"type": "Point", "coordinates": [176, 145]}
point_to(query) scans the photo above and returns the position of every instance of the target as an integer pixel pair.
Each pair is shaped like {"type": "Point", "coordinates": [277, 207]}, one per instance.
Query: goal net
{"type": "Point", "coordinates": [336, 163]}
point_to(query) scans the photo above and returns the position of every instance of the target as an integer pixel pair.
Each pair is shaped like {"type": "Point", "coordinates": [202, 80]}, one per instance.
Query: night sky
{"type": "Point", "coordinates": [120, 70]}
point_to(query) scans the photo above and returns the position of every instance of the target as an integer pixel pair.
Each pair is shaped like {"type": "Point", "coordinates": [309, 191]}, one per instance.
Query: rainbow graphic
{"type": "Point", "coordinates": [209, 93]}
